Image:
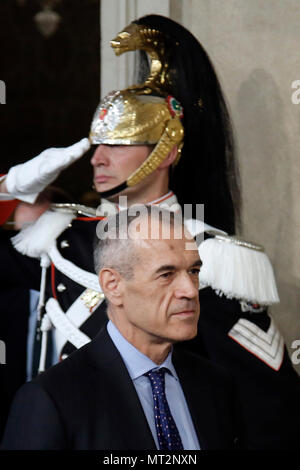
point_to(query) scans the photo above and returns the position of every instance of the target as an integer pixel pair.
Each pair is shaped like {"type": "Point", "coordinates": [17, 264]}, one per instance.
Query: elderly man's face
{"type": "Point", "coordinates": [161, 299]}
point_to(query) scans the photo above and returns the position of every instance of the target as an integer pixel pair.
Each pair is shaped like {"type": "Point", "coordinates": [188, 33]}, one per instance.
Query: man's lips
{"type": "Point", "coordinates": [101, 178]}
{"type": "Point", "coordinates": [184, 313]}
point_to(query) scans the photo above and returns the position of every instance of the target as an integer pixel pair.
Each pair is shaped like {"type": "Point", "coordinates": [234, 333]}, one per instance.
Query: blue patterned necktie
{"type": "Point", "coordinates": [167, 432]}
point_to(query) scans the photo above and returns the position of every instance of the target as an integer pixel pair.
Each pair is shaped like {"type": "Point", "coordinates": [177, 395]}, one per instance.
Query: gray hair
{"type": "Point", "coordinates": [115, 246]}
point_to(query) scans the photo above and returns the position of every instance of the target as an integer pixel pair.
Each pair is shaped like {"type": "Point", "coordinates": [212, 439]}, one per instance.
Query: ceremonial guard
{"type": "Point", "coordinates": [178, 113]}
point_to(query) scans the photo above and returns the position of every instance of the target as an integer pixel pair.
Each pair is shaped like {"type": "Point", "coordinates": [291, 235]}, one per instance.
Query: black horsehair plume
{"type": "Point", "coordinates": [207, 171]}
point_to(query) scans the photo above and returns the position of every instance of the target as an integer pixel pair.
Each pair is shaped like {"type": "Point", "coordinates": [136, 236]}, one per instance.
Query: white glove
{"type": "Point", "coordinates": [27, 180]}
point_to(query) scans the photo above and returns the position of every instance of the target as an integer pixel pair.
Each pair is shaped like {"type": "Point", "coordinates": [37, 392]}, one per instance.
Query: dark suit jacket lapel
{"type": "Point", "coordinates": [199, 399]}
{"type": "Point", "coordinates": [132, 429]}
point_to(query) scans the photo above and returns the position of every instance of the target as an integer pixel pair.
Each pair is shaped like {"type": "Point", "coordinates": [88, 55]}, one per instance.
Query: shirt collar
{"type": "Point", "coordinates": [136, 362]}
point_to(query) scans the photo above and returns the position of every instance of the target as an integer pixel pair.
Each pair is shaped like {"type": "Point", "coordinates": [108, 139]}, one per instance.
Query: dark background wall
{"type": "Point", "coordinates": [52, 84]}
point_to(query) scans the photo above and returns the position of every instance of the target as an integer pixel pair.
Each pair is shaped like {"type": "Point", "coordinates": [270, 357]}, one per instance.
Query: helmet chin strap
{"type": "Point", "coordinates": [113, 191]}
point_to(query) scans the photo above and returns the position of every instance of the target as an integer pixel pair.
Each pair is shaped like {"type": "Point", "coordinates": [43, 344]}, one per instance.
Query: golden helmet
{"type": "Point", "coordinates": [127, 117]}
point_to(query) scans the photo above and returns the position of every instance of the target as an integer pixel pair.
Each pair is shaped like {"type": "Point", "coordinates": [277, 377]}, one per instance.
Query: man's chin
{"type": "Point", "coordinates": [102, 187]}
{"type": "Point", "coordinates": [186, 335]}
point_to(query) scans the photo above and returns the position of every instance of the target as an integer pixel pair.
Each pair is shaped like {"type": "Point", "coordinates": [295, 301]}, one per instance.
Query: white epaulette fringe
{"type": "Point", "coordinates": [237, 272]}
{"type": "Point", "coordinates": [38, 237]}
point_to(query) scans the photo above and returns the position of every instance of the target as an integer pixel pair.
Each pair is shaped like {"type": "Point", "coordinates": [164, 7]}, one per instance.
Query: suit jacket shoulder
{"type": "Point", "coordinates": [90, 400]}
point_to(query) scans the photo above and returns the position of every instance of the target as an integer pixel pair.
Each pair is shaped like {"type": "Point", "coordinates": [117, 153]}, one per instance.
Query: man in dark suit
{"type": "Point", "coordinates": [126, 389]}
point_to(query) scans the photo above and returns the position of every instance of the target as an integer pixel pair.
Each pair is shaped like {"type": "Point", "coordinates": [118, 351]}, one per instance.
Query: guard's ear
{"type": "Point", "coordinates": [111, 283]}
{"type": "Point", "coordinates": [169, 160]}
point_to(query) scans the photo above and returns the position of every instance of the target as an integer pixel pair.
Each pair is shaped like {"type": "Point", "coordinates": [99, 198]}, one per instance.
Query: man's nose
{"type": "Point", "coordinates": [100, 156]}
{"type": "Point", "coordinates": [187, 287]}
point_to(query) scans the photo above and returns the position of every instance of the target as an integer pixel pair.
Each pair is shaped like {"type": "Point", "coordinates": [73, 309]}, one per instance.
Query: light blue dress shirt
{"type": "Point", "coordinates": [137, 365]}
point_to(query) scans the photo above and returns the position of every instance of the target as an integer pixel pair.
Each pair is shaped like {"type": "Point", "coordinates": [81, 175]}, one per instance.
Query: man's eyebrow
{"type": "Point", "coordinates": [165, 267]}
{"type": "Point", "coordinates": [172, 267]}
{"type": "Point", "coordinates": [198, 262]}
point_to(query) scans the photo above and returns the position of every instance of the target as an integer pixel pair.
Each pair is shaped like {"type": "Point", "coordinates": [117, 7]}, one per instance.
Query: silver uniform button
{"type": "Point", "coordinates": [64, 244]}
{"type": "Point", "coordinates": [61, 287]}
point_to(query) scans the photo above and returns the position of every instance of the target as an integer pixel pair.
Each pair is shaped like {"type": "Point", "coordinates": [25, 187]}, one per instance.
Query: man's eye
{"type": "Point", "coordinates": [166, 275]}
{"type": "Point", "coordinates": [195, 271]}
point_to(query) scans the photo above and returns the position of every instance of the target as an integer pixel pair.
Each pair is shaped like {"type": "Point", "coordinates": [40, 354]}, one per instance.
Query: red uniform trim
{"type": "Point", "coordinates": [164, 198]}
{"type": "Point", "coordinates": [6, 208]}
{"type": "Point", "coordinates": [90, 218]}
{"type": "Point", "coordinates": [53, 281]}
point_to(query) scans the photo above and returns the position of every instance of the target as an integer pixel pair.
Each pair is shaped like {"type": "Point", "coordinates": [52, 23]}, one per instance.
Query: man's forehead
{"type": "Point", "coordinates": [166, 251]}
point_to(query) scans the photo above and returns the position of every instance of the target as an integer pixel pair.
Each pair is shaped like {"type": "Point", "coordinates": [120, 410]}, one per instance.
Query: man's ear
{"type": "Point", "coordinates": [169, 160]}
{"type": "Point", "coordinates": [111, 283]}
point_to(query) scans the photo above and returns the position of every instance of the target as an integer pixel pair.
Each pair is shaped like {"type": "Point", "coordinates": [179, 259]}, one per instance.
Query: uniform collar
{"type": "Point", "coordinates": [167, 201]}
